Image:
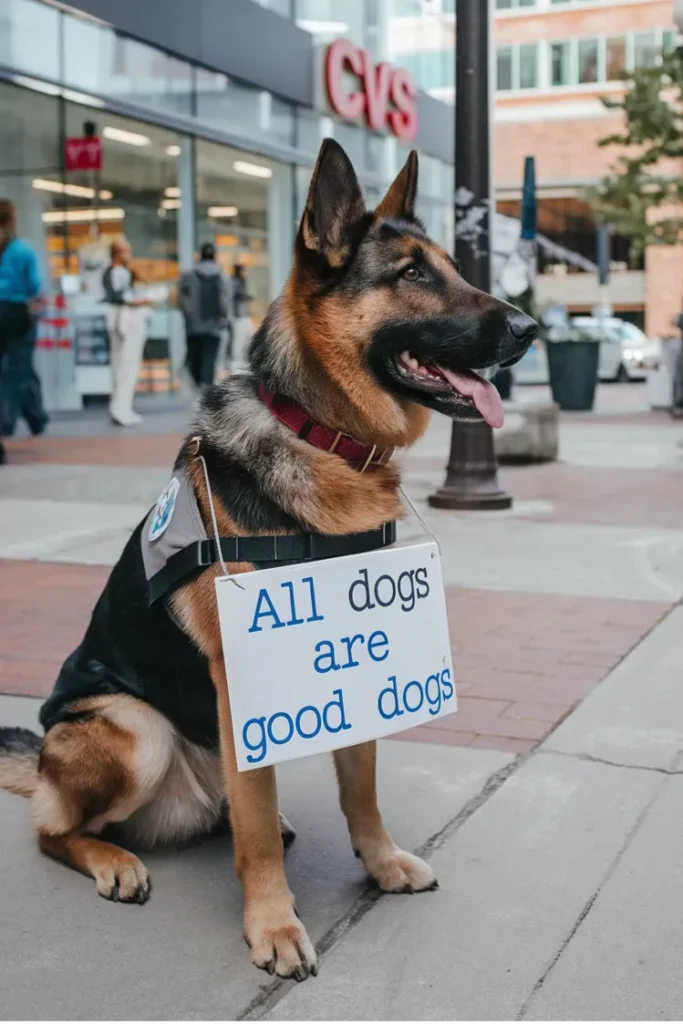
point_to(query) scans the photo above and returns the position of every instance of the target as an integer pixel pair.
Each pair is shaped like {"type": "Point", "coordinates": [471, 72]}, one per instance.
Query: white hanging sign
{"type": "Point", "coordinates": [322, 655]}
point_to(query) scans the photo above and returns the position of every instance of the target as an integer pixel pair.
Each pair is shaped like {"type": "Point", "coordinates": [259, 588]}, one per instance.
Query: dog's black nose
{"type": "Point", "coordinates": [521, 326]}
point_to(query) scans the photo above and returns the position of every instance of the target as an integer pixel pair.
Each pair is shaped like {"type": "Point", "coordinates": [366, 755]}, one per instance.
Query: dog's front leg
{"type": "Point", "coordinates": [275, 935]}
{"type": "Point", "coordinates": [393, 869]}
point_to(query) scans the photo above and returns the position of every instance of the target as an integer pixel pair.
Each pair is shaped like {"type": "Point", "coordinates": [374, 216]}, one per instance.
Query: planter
{"type": "Point", "coordinates": [573, 369]}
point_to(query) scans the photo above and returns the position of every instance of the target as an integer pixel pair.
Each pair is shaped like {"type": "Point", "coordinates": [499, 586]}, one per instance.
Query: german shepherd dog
{"type": "Point", "coordinates": [374, 328]}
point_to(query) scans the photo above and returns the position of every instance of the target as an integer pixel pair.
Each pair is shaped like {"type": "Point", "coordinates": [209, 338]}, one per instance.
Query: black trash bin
{"type": "Point", "coordinates": [573, 370]}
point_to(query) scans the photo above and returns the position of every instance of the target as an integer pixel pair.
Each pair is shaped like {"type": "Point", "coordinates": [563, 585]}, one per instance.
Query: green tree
{"type": "Point", "coordinates": [637, 196]}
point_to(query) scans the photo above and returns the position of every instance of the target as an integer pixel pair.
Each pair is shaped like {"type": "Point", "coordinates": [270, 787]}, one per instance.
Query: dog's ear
{"type": "Point", "coordinates": [334, 206]}
{"type": "Point", "coordinates": [399, 201]}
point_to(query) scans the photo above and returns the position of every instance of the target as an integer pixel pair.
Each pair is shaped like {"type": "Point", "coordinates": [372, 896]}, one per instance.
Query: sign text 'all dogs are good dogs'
{"type": "Point", "coordinates": [327, 654]}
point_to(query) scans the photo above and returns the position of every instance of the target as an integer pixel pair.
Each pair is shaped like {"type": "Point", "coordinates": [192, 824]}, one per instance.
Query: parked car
{"type": "Point", "coordinates": [625, 351]}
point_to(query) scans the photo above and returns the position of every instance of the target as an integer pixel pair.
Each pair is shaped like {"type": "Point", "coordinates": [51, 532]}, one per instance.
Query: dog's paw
{"type": "Point", "coordinates": [403, 872]}
{"type": "Point", "coordinates": [123, 879]}
{"type": "Point", "coordinates": [279, 943]}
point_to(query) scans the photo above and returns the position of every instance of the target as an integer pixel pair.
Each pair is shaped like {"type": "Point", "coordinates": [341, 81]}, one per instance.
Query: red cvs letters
{"type": "Point", "coordinates": [387, 94]}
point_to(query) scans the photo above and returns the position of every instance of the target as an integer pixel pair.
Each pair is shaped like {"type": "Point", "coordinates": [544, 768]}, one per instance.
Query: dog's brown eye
{"type": "Point", "coordinates": [412, 274]}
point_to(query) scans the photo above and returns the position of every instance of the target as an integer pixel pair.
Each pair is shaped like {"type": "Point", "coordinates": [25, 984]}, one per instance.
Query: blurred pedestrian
{"type": "Point", "coordinates": [127, 318]}
{"type": "Point", "coordinates": [242, 330]}
{"type": "Point", "coordinates": [20, 305]}
{"type": "Point", "coordinates": [677, 404]}
{"type": "Point", "coordinates": [205, 299]}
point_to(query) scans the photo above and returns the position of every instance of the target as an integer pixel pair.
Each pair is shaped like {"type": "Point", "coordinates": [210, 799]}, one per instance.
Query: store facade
{"type": "Point", "coordinates": [209, 121]}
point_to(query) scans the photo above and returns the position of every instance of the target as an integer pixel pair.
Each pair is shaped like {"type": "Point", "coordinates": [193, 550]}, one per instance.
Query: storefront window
{"type": "Point", "coordinates": [233, 192]}
{"type": "Point", "coordinates": [432, 70]}
{"type": "Point", "coordinates": [98, 60]}
{"type": "Point", "coordinates": [375, 152]}
{"type": "Point", "coordinates": [352, 139]}
{"type": "Point", "coordinates": [28, 158]}
{"type": "Point", "coordinates": [136, 197]}
{"type": "Point", "coordinates": [224, 103]}
{"type": "Point", "coordinates": [310, 129]}
{"type": "Point", "coordinates": [29, 37]}
{"type": "Point", "coordinates": [329, 19]}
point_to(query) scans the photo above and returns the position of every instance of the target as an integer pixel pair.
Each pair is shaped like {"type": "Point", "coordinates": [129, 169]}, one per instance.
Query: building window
{"type": "Point", "coordinates": [506, 5]}
{"type": "Point", "coordinates": [528, 66]}
{"type": "Point", "coordinates": [504, 68]}
{"type": "Point", "coordinates": [669, 41]}
{"type": "Point", "coordinates": [29, 161]}
{"type": "Point", "coordinates": [29, 33]}
{"type": "Point", "coordinates": [588, 60]}
{"type": "Point", "coordinates": [647, 49]}
{"type": "Point", "coordinates": [223, 103]}
{"type": "Point", "coordinates": [97, 59]}
{"type": "Point", "coordinates": [517, 67]}
{"type": "Point", "coordinates": [582, 61]}
{"type": "Point", "coordinates": [432, 69]}
{"type": "Point", "coordinates": [615, 63]}
{"type": "Point", "coordinates": [560, 64]}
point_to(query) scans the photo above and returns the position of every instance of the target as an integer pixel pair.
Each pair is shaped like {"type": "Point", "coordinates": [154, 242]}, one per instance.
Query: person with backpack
{"type": "Point", "coordinates": [20, 306]}
{"type": "Point", "coordinates": [205, 301]}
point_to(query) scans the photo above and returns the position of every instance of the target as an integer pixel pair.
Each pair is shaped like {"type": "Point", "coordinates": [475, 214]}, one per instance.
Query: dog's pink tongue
{"type": "Point", "coordinates": [483, 393]}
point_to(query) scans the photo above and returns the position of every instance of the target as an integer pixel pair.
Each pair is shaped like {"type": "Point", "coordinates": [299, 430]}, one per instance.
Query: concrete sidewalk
{"type": "Point", "coordinates": [560, 894]}
{"type": "Point", "coordinates": [561, 884]}
{"type": "Point", "coordinates": [560, 865]}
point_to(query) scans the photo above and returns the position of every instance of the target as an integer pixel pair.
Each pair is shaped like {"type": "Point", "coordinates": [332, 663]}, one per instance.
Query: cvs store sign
{"type": "Point", "coordinates": [358, 87]}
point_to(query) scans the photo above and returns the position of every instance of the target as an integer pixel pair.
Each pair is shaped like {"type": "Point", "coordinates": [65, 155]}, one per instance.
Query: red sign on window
{"type": "Point", "coordinates": [386, 94]}
{"type": "Point", "coordinates": [84, 154]}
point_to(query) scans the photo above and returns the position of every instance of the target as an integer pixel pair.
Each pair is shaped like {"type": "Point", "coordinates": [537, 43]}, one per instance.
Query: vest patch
{"type": "Point", "coordinates": [164, 509]}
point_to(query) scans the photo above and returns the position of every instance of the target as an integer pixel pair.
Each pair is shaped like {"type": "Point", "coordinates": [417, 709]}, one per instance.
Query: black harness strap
{"type": "Point", "coordinates": [265, 553]}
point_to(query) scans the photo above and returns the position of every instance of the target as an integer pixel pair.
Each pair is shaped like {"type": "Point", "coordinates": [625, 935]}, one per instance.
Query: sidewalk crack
{"type": "Point", "coordinates": [618, 764]}
{"type": "Point", "coordinates": [590, 902]}
{"type": "Point", "coordinates": [271, 994]}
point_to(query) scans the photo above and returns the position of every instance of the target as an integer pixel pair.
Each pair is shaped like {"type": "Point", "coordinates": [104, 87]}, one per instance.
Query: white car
{"type": "Point", "coordinates": [625, 352]}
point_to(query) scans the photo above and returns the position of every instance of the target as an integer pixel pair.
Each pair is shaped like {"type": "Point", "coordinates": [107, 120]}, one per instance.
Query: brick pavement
{"type": "Point", "coordinates": [522, 661]}
{"type": "Point", "coordinates": [590, 494]}
{"type": "Point", "coordinates": [118, 450]}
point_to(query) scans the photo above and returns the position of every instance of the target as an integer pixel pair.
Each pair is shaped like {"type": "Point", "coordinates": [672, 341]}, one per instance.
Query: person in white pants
{"type": "Point", "coordinates": [127, 318]}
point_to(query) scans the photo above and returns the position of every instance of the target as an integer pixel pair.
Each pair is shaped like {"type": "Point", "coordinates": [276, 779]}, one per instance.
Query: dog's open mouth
{"type": "Point", "coordinates": [466, 386]}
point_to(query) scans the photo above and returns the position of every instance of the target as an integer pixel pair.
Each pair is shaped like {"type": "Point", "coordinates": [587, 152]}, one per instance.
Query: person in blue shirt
{"type": "Point", "coordinates": [20, 305]}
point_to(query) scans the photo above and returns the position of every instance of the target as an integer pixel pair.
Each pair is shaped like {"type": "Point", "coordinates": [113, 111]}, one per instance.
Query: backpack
{"type": "Point", "coordinates": [210, 297]}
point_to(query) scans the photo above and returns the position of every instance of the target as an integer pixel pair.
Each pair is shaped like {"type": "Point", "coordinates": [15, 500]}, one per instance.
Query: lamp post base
{"type": "Point", "coordinates": [472, 474]}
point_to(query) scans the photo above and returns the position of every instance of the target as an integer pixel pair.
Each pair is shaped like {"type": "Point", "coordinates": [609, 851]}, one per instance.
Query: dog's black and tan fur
{"type": "Point", "coordinates": [138, 731]}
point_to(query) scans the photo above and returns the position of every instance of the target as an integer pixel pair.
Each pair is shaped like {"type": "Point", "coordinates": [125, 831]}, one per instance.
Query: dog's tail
{"type": "Point", "coordinates": [19, 750]}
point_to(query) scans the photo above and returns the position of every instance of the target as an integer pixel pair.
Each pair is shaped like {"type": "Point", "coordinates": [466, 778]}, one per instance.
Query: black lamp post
{"type": "Point", "coordinates": [472, 474]}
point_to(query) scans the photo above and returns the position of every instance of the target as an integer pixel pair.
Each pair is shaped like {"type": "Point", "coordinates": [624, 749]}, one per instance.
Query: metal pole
{"type": "Point", "coordinates": [89, 132]}
{"type": "Point", "coordinates": [471, 474]}
{"type": "Point", "coordinates": [603, 247]}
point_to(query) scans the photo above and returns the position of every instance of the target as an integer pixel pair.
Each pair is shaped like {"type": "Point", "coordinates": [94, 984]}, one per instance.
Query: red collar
{"type": "Point", "coordinates": [357, 454]}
